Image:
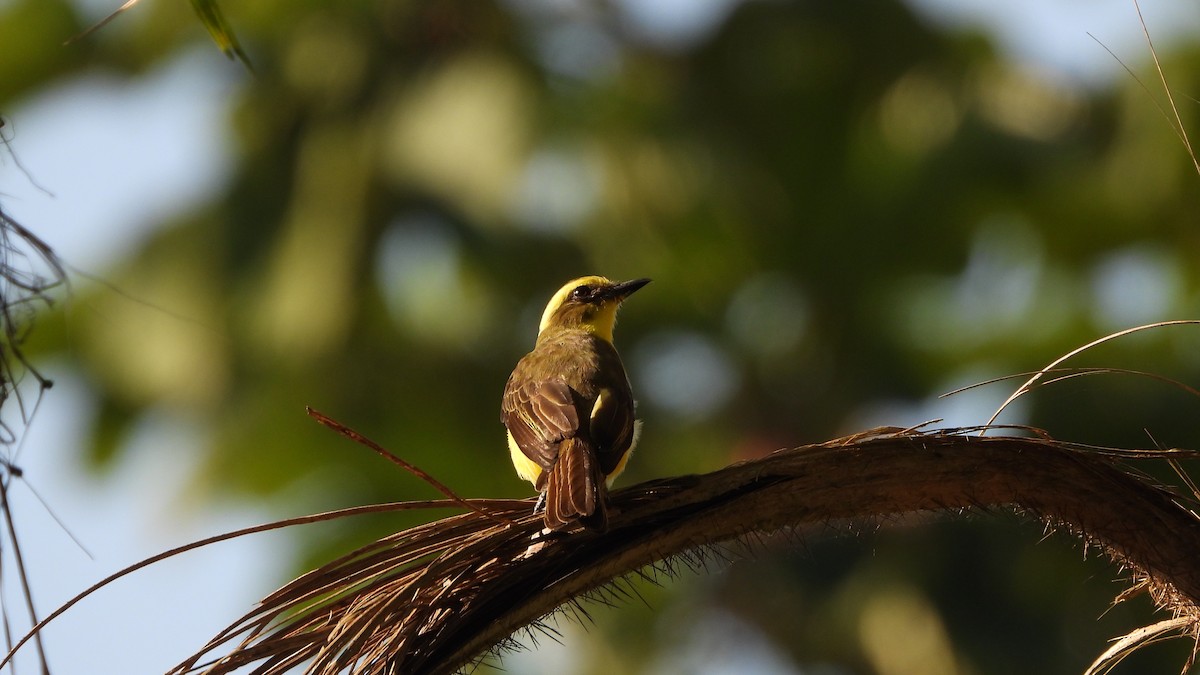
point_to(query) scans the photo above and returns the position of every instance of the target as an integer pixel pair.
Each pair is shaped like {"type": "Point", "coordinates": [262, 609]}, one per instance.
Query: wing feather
{"type": "Point", "coordinates": [539, 414]}
{"type": "Point", "coordinates": [612, 426]}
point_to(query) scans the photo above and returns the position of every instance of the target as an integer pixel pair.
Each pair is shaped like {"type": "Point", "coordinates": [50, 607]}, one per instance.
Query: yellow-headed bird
{"type": "Point", "coordinates": [568, 406]}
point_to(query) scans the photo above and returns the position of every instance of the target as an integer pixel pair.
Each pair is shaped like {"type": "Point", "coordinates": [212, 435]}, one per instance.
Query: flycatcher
{"type": "Point", "coordinates": [568, 406]}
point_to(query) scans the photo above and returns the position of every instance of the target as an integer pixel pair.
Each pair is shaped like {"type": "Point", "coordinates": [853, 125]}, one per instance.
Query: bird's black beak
{"type": "Point", "coordinates": [624, 289]}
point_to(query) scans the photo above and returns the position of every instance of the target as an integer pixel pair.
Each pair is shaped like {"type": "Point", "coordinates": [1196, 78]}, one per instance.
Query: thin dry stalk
{"type": "Point", "coordinates": [29, 271]}
{"type": "Point", "coordinates": [1053, 366]}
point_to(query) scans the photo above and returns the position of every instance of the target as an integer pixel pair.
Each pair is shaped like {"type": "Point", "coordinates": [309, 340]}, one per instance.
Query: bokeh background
{"type": "Point", "coordinates": [847, 209]}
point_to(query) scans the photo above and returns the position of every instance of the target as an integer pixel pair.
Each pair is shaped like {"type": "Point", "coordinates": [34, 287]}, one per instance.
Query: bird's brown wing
{"type": "Point", "coordinates": [612, 424]}
{"type": "Point", "coordinates": [539, 414]}
{"type": "Point", "coordinates": [612, 415]}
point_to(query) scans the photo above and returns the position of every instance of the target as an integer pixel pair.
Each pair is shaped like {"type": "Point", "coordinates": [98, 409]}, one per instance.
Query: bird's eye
{"type": "Point", "coordinates": [581, 292]}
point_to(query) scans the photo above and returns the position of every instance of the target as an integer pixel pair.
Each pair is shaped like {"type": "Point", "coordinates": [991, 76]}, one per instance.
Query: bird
{"type": "Point", "coordinates": [568, 406]}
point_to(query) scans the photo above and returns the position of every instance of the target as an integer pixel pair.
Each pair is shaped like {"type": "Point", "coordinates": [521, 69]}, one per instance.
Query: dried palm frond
{"type": "Point", "coordinates": [437, 597]}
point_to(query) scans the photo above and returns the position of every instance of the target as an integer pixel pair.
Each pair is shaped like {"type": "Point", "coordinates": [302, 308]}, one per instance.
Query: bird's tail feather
{"type": "Point", "coordinates": [574, 489]}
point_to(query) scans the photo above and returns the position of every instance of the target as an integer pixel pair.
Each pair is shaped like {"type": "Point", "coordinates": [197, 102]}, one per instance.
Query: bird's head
{"type": "Point", "coordinates": [589, 303]}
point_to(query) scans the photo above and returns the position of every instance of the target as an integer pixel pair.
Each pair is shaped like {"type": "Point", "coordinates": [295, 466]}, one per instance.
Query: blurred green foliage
{"type": "Point", "coordinates": [845, 211]}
